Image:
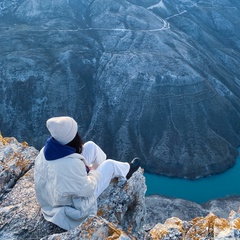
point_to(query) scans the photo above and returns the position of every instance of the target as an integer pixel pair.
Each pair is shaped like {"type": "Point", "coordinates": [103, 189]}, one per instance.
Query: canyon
{"type": "Point", "coordinates": [153, 79]}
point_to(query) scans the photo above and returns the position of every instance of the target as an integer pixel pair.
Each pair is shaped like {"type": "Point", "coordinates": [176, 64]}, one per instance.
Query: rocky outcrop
{"type": "Point", "coordinates": [15, 160]}
{"type": "Point", "coordinates": [159, 209]}
{"type": "Point", "coordinates": [92, 228]}
{"type": "Point", "coordinates": [20, 215]}
{"type": "Point", "coordinates": [157, 78]}
{"type": "Point", "coordinates": [209, 228]}
{"type": "Point", "coordinates": [122, 212]}
{"type": "Point", "coordinates": [178, 219]}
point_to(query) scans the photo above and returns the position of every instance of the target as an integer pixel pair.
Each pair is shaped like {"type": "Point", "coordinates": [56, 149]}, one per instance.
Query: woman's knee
{"type": "Point", "coordinates": [89, 149]}
{"type": "Point", "coordinates": [107, 165]}
{"type": "Point", "coordinates": [89, 144]}
{"type": "Point", "coordinates": [93, 154]}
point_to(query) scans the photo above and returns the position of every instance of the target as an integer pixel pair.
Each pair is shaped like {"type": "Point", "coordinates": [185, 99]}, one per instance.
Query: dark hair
{"type": "Point", "coordinates": [76, 143]}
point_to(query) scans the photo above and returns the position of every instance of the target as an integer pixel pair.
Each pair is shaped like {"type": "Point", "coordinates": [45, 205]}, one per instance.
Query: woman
{"type": "Point", "coordinates": [69, 175]}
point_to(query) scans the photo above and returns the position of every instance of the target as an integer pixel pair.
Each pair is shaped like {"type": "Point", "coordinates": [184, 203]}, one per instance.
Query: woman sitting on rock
{"type": "Point", "coordinates": [69, 175]}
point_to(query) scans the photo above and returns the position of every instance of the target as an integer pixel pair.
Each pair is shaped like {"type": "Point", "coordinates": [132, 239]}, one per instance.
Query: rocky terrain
{"type": "Point", "coordinates": [20, 215]}
{"type": "Point", "coordinates": [123, 213]}
{"type": "Point", "coordinates": [159, 79]}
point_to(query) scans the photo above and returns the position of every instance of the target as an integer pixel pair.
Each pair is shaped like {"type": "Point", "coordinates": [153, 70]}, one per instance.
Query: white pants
{"type": "Point", "coordinates": [109, 169]}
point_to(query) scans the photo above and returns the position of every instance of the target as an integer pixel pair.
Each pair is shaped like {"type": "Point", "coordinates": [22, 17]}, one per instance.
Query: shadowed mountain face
{"type": "Point", "coordinates": [154, 79]}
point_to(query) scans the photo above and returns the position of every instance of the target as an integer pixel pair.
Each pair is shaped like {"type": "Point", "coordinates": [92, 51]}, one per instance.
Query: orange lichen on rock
{"type": "Point", "coordinates": [174, 222]}
{"type": "Point", "coordinates": [2, 140]}
{"type": "Point", "coordinates": [197, 219]}
{"type": "Point", "coordinates": [8, 139]}
{"type": "Point", "coordinates": [24, 144]}
{"type": "Point", "coordinates": [236, 223]}
{"type": "Point", "coordinates": [101, 211]}
{"type": "Point", "coordinates": [201, 228]}
{"type": "Point", "coordinates": [159, 231]}
{"type": "Point", "coordinates": [88, 229]}
{"type": "Point", "coordinates": [220, 225]}
{"type": "Point", "coordinates": [22, 164]}
{"type": "Point", "coordinates": [115, 233]}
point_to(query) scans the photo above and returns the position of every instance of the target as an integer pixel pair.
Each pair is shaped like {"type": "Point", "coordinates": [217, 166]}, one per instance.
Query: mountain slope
{"type": "Point", "coordinates": [156, 79]}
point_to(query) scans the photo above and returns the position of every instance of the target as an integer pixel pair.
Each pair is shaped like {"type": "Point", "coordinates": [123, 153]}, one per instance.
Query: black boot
{"type": "Point", "coordinates": [134, 165]}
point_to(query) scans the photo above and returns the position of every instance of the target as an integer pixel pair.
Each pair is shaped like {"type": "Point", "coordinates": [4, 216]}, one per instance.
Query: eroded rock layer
{"type": "Point", "coordinates": [157, 79]}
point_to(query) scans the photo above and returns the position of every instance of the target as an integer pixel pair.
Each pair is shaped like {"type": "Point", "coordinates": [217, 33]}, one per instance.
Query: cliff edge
{"type": "Point", "coordinates": [122, 212]}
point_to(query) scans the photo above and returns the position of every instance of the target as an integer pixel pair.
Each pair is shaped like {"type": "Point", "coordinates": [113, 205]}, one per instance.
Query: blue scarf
{"type": "Point", "coordinates": [54, 150]}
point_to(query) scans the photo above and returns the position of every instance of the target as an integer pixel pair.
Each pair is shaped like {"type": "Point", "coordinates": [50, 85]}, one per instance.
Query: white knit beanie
{"type": "Point", "coordinates": [63, 129]}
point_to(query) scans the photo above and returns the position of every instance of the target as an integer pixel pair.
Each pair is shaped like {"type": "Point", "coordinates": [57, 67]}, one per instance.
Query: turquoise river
{"type": "Point", "coordinates": [200, 190]}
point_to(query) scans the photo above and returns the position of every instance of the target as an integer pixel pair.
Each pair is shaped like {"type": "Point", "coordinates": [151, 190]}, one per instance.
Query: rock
{"type": "Point", "coordinates": [125, 207]}
{"type": "Point", "coordinates": [21, 218]}
{"type": "Point", "coordinates": [202, 227]}
{"type": "Point", "coordinates": [15, 160]}
{"type": "Point", "coordinates": [96, 228]}
{"type": "Point", "coordinates": [171, 229]}
{"type": "Point", "coordinates": [156, 79]}
{"type": "Point", "coordinates": [228, 229]}
{"type": "Point", "coordinates": [159, 208]}
{"type": "Point", "coordinates": [208, 228]}
{"type": "Point", "coordinates": [20, 214]}
{"type": "Point", "coordinates": [122, 214]}
{"type": "Point", "coordinates": [224, 206]}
